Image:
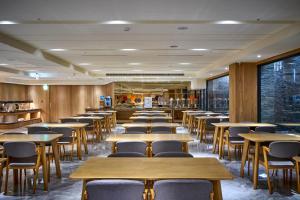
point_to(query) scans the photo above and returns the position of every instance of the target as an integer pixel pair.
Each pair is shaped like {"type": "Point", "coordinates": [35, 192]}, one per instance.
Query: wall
{"type": "Point", "coordinates": [13, 92]}
{"type": "Point", "coordinates": [243, 92]}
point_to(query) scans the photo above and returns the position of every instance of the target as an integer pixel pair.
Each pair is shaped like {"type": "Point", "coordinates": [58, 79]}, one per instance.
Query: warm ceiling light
{"type": "Point", "coordinates": [128, 49]}
{"type": "Point", "coordinates": [8, 22]}
{"type": "Point", "coordinates": [184, 63]}
{"type": "Point", "coordinates": [177, 70]}
{"type": "Point", "coordinates": [84, 64]}
{"type": "Point", "coordinates": [58, 50]}
{"type": "Point", "coordinates": [259, 56]}
{"type": "Point", "coordinates": [134, 63]}
{"type": "Point", "coordinates": [227, 22]}
{"type": "Point", "coordinates": [210, 74]}
{"type": "Point", "coordinates": [3, 64]}
{"type": "Point", "coordinates": [116, 22]}
{"type": "Point", "coordinates": [137, 70]}
{"type": "Point", "coordinates": [97, 70]}
{"type": "Point", "coordinates": [199, 49]}
{"type": "Point", "coordinates": [226, 68]}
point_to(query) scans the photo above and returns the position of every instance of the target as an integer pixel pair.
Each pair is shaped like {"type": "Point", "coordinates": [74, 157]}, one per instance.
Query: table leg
{"type": "Point", "coordinates": [83, 132]}
{"type": "Point", "coordinates": [56, 158]}
{"type": "Point", "coordinates": [244, 157]}
{"type": "Point", "coordinates": [297, 175]}
{"type": "Point", "coordinates": [185, 147]}
{"type": "Point", "coordinates": [113, 147]}
{"type": "Point", "coordinates": [83, 195]}
{"type": "Point", "coordinates": [221, 142]}
{"type": "Point", "coordinates": [217, 190]}
{"type": "Point", "coordinates": [78, 135]}
{"type": "Point", "coordinates": [100, 130]}
{"type": "Point", "coordinates": [215, 139]}
{"type": "Point", "coordinates": [44, 163]}
{"type": "Point", "coordinates": [256, 165]}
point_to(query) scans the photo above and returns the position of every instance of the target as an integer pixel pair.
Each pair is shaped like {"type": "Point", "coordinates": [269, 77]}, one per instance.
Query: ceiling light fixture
{"type": "Point", "coordinates": [45, 87]}
{"type": "Point", "coordinates": [8, 22]}
{"type": "Point", "coordinates": [134, 63]}
{"type": "Point", "coordinates": [259, 56]}
{"type": "Point", "coordinates": [177, 70]}
{"type": "Point", "coordinates": [183, 63]}
{"type": "Point", "coordinates": [228, 22]}
{"type": "Point", "coordinates": [3, 64]}
{"type": "Point", "coordinates": [58, 49]}
{"type": "Point", "coordinates": [137, 70]}
{"type": "Point", "coordinates": [117, 22]}
{"type": "Point", "coordinates": [128, 49]}
{"type": "Point", "coordinates": [84, 64]}
{"type": "Point", "coordinates": [226, 68]}
{"type": "Point", "coordinates": [199, 49]}
{"type": "Point", "coordinates": [97, 70]}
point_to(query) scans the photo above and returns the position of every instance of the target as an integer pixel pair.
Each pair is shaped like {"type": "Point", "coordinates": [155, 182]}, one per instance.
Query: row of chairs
{"type": "Point", "coordinates": [143, 130]}
{"type": "Point", "coordinates": [152, 120]}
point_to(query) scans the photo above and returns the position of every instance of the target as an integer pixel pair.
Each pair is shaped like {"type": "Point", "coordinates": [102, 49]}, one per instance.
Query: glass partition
{"type": "Point", "coordinates": [218, 94]}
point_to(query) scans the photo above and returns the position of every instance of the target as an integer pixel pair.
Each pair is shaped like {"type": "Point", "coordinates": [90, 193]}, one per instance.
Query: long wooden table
{"type": "Point", "coordinates": [96, 122]}
{"type": "Point", "coordinates": [150, 114]}
{"type": "Point", "coordinates": [258, 138]}
{"type": "Point", "coordinates": [221, 127]}
{"type": "Point", "coordinates": [149, 138]}
{"type": "Point", "coordinates": [152, 125]}
{"type": "Point", "coordinates": [106, 115]}
{"type": "Point", "coordinates": [41, 140]}
{"type": "Point", "coordinates": [150, 118]}
{"type": "Point", "coordinates": [154, 169]}
{"type": "Point", "coordinates": [80, 133]}
{"type": "Point", "coordinates": [192, 118]}
{"type": "Point", "coordinates": [149, 111]}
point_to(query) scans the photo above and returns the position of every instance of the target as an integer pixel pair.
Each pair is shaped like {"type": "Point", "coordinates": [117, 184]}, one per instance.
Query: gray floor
{"type": "Point", "coordinates": [237, 189]}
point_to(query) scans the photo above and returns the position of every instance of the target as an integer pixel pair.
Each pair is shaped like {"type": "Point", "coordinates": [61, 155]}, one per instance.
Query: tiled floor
{"type": "Point", "coordinates": [237, 189]}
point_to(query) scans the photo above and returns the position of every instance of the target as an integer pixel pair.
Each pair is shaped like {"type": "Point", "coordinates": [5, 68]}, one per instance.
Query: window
{"type": "Point", "coordinates": [218, 94]}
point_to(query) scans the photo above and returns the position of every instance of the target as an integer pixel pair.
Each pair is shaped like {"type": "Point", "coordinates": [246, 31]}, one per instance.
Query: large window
{"type": "Point", "coordinates": [279, 89]}
{"type": "Point", "coordinates": [218, 94]}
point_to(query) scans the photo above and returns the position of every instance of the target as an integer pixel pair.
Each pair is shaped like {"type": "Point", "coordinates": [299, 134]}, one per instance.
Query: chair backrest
{"type": "Point", "coordinates": [133, 130]}
{"type": "Point", "coordinates": [46, 132]}
{"type": "Point", "coordinates": [115, 190]}
{"type": "Point", "coordinates": [182, 189]}
{"type": "Point", "coordinates": [69, 120]}
{"type": "Point", "coordinates": [85, 115]}
{"type": "Point", "coordinates": [265, 129]}
{"type": "Point", "coordinates": [67, 132]}
{"type": "Point", "coordinates": [20, 149]}
{"type": "Point", "coordinates": [86, 120]}
{"type": "Point", "coordinates": [235, 131]}
{"type": "Point", "coordinates": [126, 154]}
{"type": "Point", "coordinates": [284, 149]}
{"type": "Point", "coordinates": [35, 130]}
{"type": "Point", "coordinates": [141, 120]}
{"type": "Point", "coordinates": [166, 146]}
{"type": "Point", "coordinates": [174, 154]}
{"type": "Point", "coordinates": [224, 120]}
{"type": "Point", "coordinates": [209, 122]}
{"type": "Point", "coordinates": [139, 147]}
{"type": "Point", "coordinates": [161, 130]}
{"type": "Point", "coordinates": [14, 133]}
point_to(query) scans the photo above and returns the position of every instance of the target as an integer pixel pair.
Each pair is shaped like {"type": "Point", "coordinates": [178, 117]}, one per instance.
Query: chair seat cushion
{"type": "Point", "coordinates": [22, 164]}
{"type": "Point", "coordinates": [65, 140]}
{"type": "Point", "coordinates": [236, 142]}
{"type": "Point", "coordinates": [281, 163]}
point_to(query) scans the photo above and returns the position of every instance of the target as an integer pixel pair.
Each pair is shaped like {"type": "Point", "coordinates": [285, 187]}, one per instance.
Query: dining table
{"type": "Point", "coordinates": [150, 125]}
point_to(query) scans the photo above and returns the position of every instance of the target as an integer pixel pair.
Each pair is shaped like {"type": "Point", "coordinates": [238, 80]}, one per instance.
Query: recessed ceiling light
{"type": "Point", "coordinates": [134, 63]}
{"type": "Point", "coordinates": [259, 56]}
{"type": "Point", "coordinates": [226, 68]}
{"type": "Point", "coordinates": [97, 70]}
{"type": "Point", "coordinates": [8, 22]}
{"type": "Point", "coordinates": [117, 22]}
{"type": "Point", "coordinates": [3, 64]}
{"type": "Point", "coordinates": [58, 49]}
{"type": "Point", "coordinates": [128, 49]}
{"type": "Point", "coordinates": [199, 49]}
{"type": "Point", "coordinates": [84, 64]}
{"type": "Point", "coordinates": [177, 70]}
{"type": "Point", "coordinates": [137, 70]}
{"type": "Point", "coordinates": [227, 22]}
{"type": "Point", "coordinates": [183, 63]}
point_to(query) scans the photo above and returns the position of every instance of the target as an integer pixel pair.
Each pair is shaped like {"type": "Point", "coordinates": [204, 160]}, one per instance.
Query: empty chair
{"type": "Point", "coordinates": [90, 128]}
{"type": "Point", "coordinates": [136, 130]}
{"type": "Point", "coordinates": [126, 154]}
{"type": "Point", "coordinates": [22, 155]}
{"type": "Point", "coordinates": [174, 154]}
{"type": "Point", "coordinates": [115, 190]}
{"type": "Point", "coordinates": [207, 129]}
{"type": "Point", "coordinates": [232, 139]}
{"type": "Point", "coordinates": [139, 147]}
{"type": "Point", "coordinates": [69, 120]}
{"type": "Point", "coordinates": [162, 130]}
{"type": "Point", "coordinates": [166, 146]}
{"type": "Point", "coordinates": [265, 129]}
{"type": "Point", "coordinates": [35, 130]}
{"type": "Point", "coordinates": [68, 139]}
{"type": "Point", "coordinates": [278, 156]}
{"type": "Point", "coordinates": [182, 190]}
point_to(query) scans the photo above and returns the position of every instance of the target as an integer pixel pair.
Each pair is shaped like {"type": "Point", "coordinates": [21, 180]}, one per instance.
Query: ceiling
{"type": "Point", "coordinates": [162, 31]}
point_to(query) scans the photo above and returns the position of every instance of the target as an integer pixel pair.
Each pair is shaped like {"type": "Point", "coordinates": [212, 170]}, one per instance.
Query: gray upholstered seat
{"type": "Point", "coordinates": [141, 120]}
{"type": "Point", "coordinates": [182, 190]}
{"type": "Point", "coordinates": [284, 149]}
{"type": "Point", "coordinates": [67, 134]}
{"type": "Point", "coordinates": [126, 154]}
{"type": "Point", "coordinates": [166, 146]}
{"type": "Point", "coordinates": [35, 130]}
{"type": "Point", "coordinates": [90, 123]}
{"type": "Point", "coordinates": [69, 120]}
{"type": "Point", "coordinates": [174, 154]}
{"type": "Point", "coordinates": [115, 190]}
{"type": "Point", "coordinates": [139, 147]}
{"type": "Point", "coordinates": [161, 130]}
{"type": "Point", "coordinates": [265, 129]}
{"type": "Point", "coordinates": [136, 130]}
{"type": "Point", "coordinates": [20, 153]}
{"type": "Point", "coordinates": [234, 134]}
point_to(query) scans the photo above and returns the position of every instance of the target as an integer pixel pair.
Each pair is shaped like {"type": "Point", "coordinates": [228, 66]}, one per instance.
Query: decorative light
{"type": "Point", "coordinates": [227, 22]}
{"type": "Point", "coordinates": [199, 49]}
{"type": "Point", "coordinates": [134, 63]}
{"type": "Point", "coordinates": [259, 56]}
{"type": "Point", "coordinates": [117, 22]}
{"type": "Point", "coordinates": [8, 22]}
{"type": "Point", "coordinates": [84, 64]}
{"type": "Point", "coordinates": [58, 49]}
{"type": "Point", "coordinates": [137, 70]}
{"type": "Point", "coordinates": [3, 64]}
{"type": "Point", "coordinates": [183, 63]}
{"type": "Point", "coordinates": [128, 49]}
{"type": "Point", "coordinates": [45, 87]}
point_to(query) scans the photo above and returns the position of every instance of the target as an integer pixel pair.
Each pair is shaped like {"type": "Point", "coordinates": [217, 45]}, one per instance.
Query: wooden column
{"type": "Point", "coordinates": [243, 92]}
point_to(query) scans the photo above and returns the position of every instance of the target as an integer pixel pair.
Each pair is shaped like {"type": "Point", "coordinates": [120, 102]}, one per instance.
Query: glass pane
{"type": "Point", "coordinates": [218, 94]}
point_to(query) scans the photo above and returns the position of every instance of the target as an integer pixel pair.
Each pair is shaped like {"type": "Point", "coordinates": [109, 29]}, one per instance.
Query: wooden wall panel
{"type": "Point", "coordinates": [13, 92]}
{"type": "Point", "coordinates": [60, 102]}
{"type": "Point", "coordinates": [243, 92]}
{"type": "Point", "coordinates": [40, 99]}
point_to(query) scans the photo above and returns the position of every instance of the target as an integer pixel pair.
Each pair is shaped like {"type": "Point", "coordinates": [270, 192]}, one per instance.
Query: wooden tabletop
{"type": "Point", "coordinates": [149, 137]}
{"type": "Point", "coordinates": [151, 117]}
{"type": "Point", "coordinates": [97, 113]}
{"type": "Point", "coordinates": [150, 114]}
{"type": "Point", "coordinates": [85, 117]}
{"type": "Point", "coordinates": [270, 137]}
{"type": "Point", "coordinates": [212, 117]}
{"type": "Point", "coordinates": [155, 124]}
{"type": "Point", "coordinates": [290, 124]}
{"type": "Point", "coordinates": [152, 169]}
{"type": "Point", "coordinates": [191, 111]}
{"type": "Point", "coordinates": [248, 124]}
{"type": "Point", "coordinates": [297, 158]}
{"type": "Point", "coordinates": [149, 111]}
{"type": "Point", "coordinates": [59, 125]}
{"type": "Point", "coordinates": [39, 138]}
{"type": "Point", "coordinates": [203, 113]}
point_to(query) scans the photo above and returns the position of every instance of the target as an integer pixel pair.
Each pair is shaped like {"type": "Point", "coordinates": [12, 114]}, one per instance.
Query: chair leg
{"type": "Point", "coordinates": [20, 171]}
{"type": "Point", "coordinates": [269, 181]}
{"type": "Point", "coordinates": [6, 180]}
{"type": "Point", "coordinates": [72, 149]}
{"type": "Point", "coordinates": [229, 151]}
{"type": "Point", "coordinates": [36, 174]}
{"type": "Point", "coordinates": [248, 171]}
